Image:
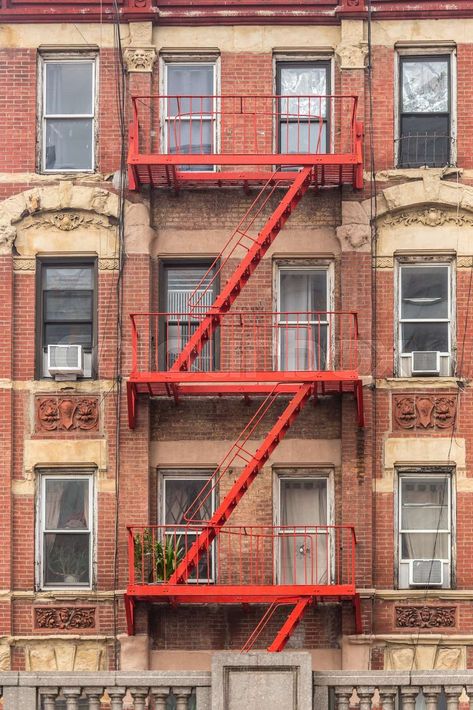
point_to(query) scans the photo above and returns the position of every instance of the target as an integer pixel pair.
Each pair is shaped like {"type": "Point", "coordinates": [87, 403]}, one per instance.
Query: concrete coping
{"type": "Point", "coordinates": [106, 678]}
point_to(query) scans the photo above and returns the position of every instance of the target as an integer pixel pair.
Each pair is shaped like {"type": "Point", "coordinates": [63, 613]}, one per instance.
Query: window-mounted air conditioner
{"type": "Point", "coordinates": [65, 360]}
{"type": "Point", "coordinates": [425, 362]}
{"type": "Point", "coordinates": [425, 573]}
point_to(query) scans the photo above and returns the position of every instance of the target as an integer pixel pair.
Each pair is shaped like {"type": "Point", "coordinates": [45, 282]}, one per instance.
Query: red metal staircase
{"type": "Point", "coordinates": [199, 540]}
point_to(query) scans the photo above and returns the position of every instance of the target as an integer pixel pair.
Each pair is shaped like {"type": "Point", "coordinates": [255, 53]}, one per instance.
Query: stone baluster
{"type": "Point", "coordinates": [409, 696]}
{"type": "Point", "coordinates": [160, 696]}
{"type": "Point", "coordinates": [342, 698]}
{"type": "Point", "coordinates": [48, 698]}
{"type": "Point", "coordinates": [116, 696]}
{"type": "Point", "coordinates": [182, 697]}
{"type": "Point", "coordinates": [365, 693]}
{"type": "Point", "coordinates": [452, 693]}
{"type": "Point", "coordinates": [72, 696]}
{"type": "Point", "coordinates": [431, 694]}
{"type": "Point", "coordinates": [388, 695]}
{"type": "Point", "coordinates": [93, 695]}
{"type": "Point", "coordinates": [139, 696]}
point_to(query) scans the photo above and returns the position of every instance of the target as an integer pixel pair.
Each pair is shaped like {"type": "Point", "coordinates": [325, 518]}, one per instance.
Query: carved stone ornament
{"type": "Point", "coordinates": [431, 217]}
{"type": "Point", "coordinates": [464, 262]}
{"type": "Point", "coordinates": [426, 617]}
{"type": "Point", "coordinates": [108, 264]}
{"type": "Point", "coordinates": [22, 263]}
{"type": "Point", "coordinates": [139, 59]}
{"type": "Point", "coordinates": [67, 414]}
{"type": "Point", "coordinates": [384, 262]}
{"type": "Point", "coordinates": [64, 617]}
{"type": "Point", "coordinates": [67, 221]}
{"type": "Point", "coordinates": [352, 56]}
{"type": "Point", "coordinates": [417, 412]}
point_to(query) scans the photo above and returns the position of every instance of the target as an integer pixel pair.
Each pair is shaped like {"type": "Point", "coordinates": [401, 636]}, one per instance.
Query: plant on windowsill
{"type": "Point", "coordinates": [70, 563]}
{"type": "Point", "coordinates": [163, 555]}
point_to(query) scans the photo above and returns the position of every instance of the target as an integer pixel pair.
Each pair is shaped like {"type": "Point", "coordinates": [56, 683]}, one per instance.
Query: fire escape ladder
{"type": "Point", "coordinates": [254, 254]}
{"type": "Point", "coordinates": [289, 625]}
{"type": "Point", "coordinates": [212, 528]}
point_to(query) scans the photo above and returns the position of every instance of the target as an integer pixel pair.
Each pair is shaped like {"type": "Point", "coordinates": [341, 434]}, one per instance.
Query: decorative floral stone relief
{"type": "Point", "coordinates": [426, 617]}
{"type": "Point", "coordinates": [64, 617]}
{"type": "Point", "coordinates": [67, 221]}
{"type": "Point", "coordinates": [67, 413]}
{"type": "Point", "coordinates": [417, 411]}
{"type": "Point", "coordinates": [431, 217]}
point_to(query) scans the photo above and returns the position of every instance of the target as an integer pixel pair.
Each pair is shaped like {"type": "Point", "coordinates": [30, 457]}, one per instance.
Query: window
{"type": "Point", "coordinates": [189, 289]}
{"type": "Point", "coordinates": [303, 321]}
{"type": "Point", "coordinates": [425, 130]}
{"type": "Point", "coordinates": [68, 108]}
{"type": "Point", "coordinates": [185, 495]}
{"type": "Point", "coordinates": [425, 529]}
{"type": "Point", "coordinates": [304, 546]}
{"type": "Point", "coordinates": [189, 110]}
{"type": "Point", "coordinates": [425, 317]}
{"type": "Point", "coordinates": [65, 530]}
{"type": "Point", "coordinates": [303, 121]}
{"type": "Point", "coordinates": [67, 309]}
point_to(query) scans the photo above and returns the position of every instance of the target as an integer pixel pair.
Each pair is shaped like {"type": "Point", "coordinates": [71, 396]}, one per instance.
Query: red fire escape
{"type": "Point", "coordinates": [211, 349]}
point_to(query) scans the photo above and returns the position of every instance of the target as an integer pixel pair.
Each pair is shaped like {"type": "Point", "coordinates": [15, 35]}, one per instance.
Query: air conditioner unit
{"type": "Point", "coordinates": [425, 362]}
{"type": "Point", "coordinates": [65, 361]}
{"type": "Point", "coordinates": [426, 573]}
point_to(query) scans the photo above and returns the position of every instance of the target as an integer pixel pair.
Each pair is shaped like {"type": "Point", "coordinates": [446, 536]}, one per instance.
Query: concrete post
{"type": "Point", "coordinates": [20, 699]}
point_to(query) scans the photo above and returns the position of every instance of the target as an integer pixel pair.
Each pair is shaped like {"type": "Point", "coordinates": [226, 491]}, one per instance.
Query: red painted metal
{"type": "Point", "coordinates": [289, 625]}
{"type": "Point", "coordinates": [244, 132]}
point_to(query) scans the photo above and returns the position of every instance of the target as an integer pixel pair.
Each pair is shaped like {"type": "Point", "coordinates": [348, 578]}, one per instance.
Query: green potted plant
{"type": "Point", "coordinates": [164, 555]}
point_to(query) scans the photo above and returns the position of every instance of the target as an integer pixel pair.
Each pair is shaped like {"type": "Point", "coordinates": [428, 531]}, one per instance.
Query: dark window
{"type": "Point", "coordinates": [425, 106]}
{"type": "Point", "coordinates": [68, 115]}
{"type": "Point", "coordinates": [189, 289]}
{"type": "Point", "coordinates": [67, 307]}
{"type": "Point", "coordinates": [303, 112]}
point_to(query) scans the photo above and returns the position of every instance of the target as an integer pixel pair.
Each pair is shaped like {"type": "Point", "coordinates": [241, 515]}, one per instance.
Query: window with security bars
{"type": "Point", "coordinates": [425, 130]}
{"type": "Point", "coordinates": [303, 111]}
{"type": "Point", "coordinates": [425, 529]}
{"type": "Point", "coordinates": [425, 316]}
{"type": "Point", "coordinates": [66, 312]}
{"type": "Point", "coordinates": [65, 530]}
{"type": "Point", "coordinates": [190, 110]}
{"type": "Point", "coordinates": [68, 114]}
{"type": "Point", "coordinates": [187, 502]}
{"type": "Point", "coordinates": [303, 321]}
{"type": "Point", "coordinates": [188, 291]}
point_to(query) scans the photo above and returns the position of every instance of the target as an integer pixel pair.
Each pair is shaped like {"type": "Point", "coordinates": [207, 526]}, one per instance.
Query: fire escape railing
{"type": "Point", "coordinates": [242, 556]}
{"type": "Point", "coordinates": [249, 341]}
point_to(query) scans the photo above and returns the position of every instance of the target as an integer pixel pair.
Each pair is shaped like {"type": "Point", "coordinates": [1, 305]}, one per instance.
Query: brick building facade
{"type": "Point", "coordinates": [79, 255]}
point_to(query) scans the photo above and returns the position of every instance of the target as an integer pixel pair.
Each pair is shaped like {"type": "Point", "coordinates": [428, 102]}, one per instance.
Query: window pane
{"type": "Point", "coordinates": [303, 291]}
{"type": "Point", "coordinates": [186, 80]}
{"type": "Point", "coordinates": [428, 491]}
{"type": "Point", "coordinates": [303, 348]}
{"type": "Point", "coordinates": [303, 137]}
{"type": "Point", "coordinates": [69, 88]}
{"type": "Point", "coordinates": [180, 495]}
{"type": "Point", "coordinates": [424, 336]}
{"type": "Point", "coordinates": [67, 306]}
{"type": "Point", "coordinates": [193, 137]}
{"type": "Point", "coordinates": [303, 502]}
{"type": "Point", "coordinates": [68, 334]}
{"type": "Point", "coordinates": [67, 504]}
{"type": "Point", "coordinates": [181, 283]}
{"type": "Point", "coordinates": [424, 292]}
{"type": "Point", "coordinates": [66, 558]}
{"type": "Point", "coordinates": [176, 337]}
{"type": "Point", "coordinates": [65, 277]}
{"type": "Point", "coordinates": [425, 86]}
{"type": "Point", "coordinates": [424, 140]}
{"type": "Point", "coordinates": [425, 546]}
{"type": "Point", "coordinates": [69, 144]}
{"type": "Point", "coordinates": [425, 517]}
{"type": "Point", "coordinates": [303, 81]}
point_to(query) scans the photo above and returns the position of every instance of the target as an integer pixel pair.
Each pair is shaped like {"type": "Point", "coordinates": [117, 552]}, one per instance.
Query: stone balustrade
{"type": "Point", "coordinates": [192, 690]}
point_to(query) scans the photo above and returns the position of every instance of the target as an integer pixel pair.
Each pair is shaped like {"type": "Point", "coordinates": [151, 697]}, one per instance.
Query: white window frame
{"type": "Point", "coordinates": [64, 474]}
{"type": "Point", "coordinates": [166, 62]}
{"type": "Point", "coordinates": [68, 58]}
{"type": "Point", "coordinates": [328, 268]}
{"type": "Point", "coordinates": [191, 474]}
{"type": "Point", "coordinates": [289, 473]}
{"type": "Point", "coordinates": [400, 355]}
{"type": "Point", "coordinates": [418, 52]}
{"type": "Point", "coordinates": [415, 475]}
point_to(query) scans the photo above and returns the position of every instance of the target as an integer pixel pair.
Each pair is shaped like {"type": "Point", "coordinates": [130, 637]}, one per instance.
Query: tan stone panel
{"type": "Point", "coordinates": [37, 35]}
{"type": "Point", "coordinates": [440, 450]}
{"type": "Point", "coordinates": [388, 32]}
{"type": "Point", "coordinates": [47, 452]}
